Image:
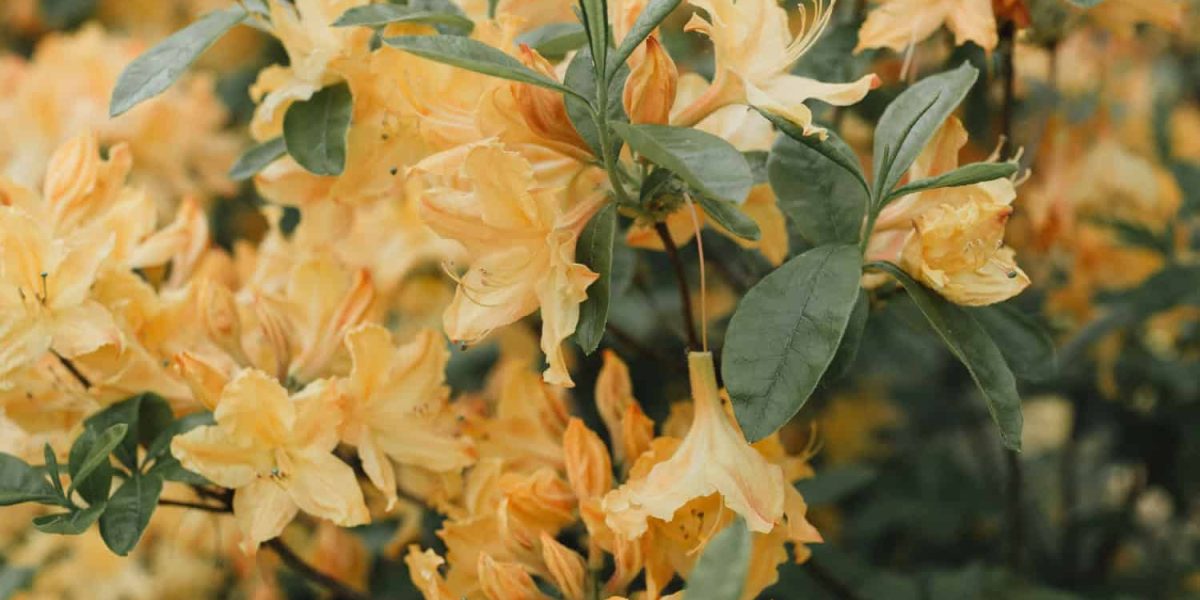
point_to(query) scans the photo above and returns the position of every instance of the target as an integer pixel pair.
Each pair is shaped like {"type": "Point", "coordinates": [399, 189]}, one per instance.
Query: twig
{"type": "Point", "coordinates": [194, 505]}
{"type": "Point", "coordinates": [337, 589]}
{"type": "Point", "coordinates": [685, 295]}
{"type": "Point", "coordinates": [73, 370]}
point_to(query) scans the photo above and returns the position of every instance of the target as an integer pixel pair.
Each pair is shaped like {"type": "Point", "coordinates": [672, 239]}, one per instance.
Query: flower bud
{"type": "Point", "coordinates": [589, 468]}
{"type": "Point", "coordinates": [505, 580]}
{"type": "Point", "coordinates": [71, 172]}
{"type": "Point", "coordinates": [545, 111]}
{"type": "Point", "coordinates": [204, 379]}
{"type": "Point", "coordinates": [566, 568]}
{"type": "Point", "coordinates": [650, 88]}
{"type": "Point", "coordinates": [219, 316]}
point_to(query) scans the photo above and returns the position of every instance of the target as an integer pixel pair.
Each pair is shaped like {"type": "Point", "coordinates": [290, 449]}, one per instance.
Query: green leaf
{"type": "Point", "coordinates": [169, 468]}
{"type": "Point", "coordinates": [378, 15]}
{"type": "Point", "coordinates": [704, 161]}
{"type": "Point", "coordinates": [720, 573]}
{"type": "Point", "coordinates": [69, 523]}
{"type": "Point", "coordinates": [913, 117]}
{"type": "Point", "coordinates": [472, 55]}
{"type": "Point", "coordinates": [14, 579]}
{"type": "Point", "coordinates": [582, 79]}
{"type": "Point", "coordinates": [971, 344]}
{"type": "Point", "coordinates": [162, 442]}
{"type": "Point", "coordinates": [831, 147]}
{"type": "Point", "coordinates": [595, 250]}
{"type": "Point", "coordinates": [730, 217]}
{"type": "Point", "coordinates": [89, 453]}
{"type": "Point", "coordinates": [785, 333]}
{"type": "Point", "coordinates": [315, 130]}
{"type": "Point", "coordinates": [20, 482]}
{"type": "Point", "coordinates": [1086, 3]}
{"type": "Point", "coordinates": [651, 17]}
{"type": "Point", "coordinates": [53, 471]}
{"type": "Point", "coordinates": [258, 158]}
{"type": "Point", "coordinates": [129, 511]}
{"type": "Point", "coordinates": [1025, 344]}
{"type": "Point", "coordinates": [964, 175]}
{"type": "Point", "coordinates": [66, 14]}
{"type": "Point", "coordinates": [153, 72]}
{"type": "Point", "coordinates": [555, 40]}
{"type": "Point", "coordinates": [832, 485]}
{"type": "Point", "coordinates": [847, 351]}
{"type": "Point", "coordinates": [757, 160]}
{"type": "Point", "coordinates": [824, 205]}
{"type": "Point", "coordinates": [595, 22]}
{"type": "Point", "coordinates": [144, 414]}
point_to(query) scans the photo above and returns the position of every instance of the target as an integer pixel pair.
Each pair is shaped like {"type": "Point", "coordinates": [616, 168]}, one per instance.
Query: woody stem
{"type": "Point", "coordinates": [685, 294]}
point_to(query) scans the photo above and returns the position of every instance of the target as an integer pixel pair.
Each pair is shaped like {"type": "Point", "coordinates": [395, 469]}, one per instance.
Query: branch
{"type": "Point", "coordinates": [194, 505]}
{"type": "Point", "coordinates": [685, 295]}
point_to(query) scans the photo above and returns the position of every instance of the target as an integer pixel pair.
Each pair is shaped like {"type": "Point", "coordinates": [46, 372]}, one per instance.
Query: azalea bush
{"type": "Point", "coordinates": [511, 299]}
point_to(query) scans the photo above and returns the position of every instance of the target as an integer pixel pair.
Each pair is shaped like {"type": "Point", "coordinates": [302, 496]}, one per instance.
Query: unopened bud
{"type": "Point", "coordinates": [650, 88]}
{"type": "Point", "coordinates": [219, 315]}
{"type": "Point", "coordinates": [204, 379]}
{"type": "Point", "coordinates": [566, 568]}
{"type": "Point", "coordinates": [71, 173]}
{"type": "Point", "coordinates": [545, 111]}
{"type": "Point", "coordinates": [505, 580]}
{"type": "Point", "coordinates": [589, 468]}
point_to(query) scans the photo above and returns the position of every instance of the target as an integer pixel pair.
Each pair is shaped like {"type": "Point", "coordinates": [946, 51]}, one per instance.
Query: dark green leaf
{"type": "Point", "coordinates": [730, 217]}
{"type": "Point", "coordinates": [129, 511]}
{"type": "Point", "coordinates": [913, 117]}
{"type": "Point", "coordinates": [169, 468]}
{"type": "Point", "coordinates": [162, 442]}
{"type": "Point", "coordinates": [704, 161]}
{"type": "Point", "coordinates": [257, 158]}
{"type": "Point", "coordinates": [153, 72]}
{"type": "Point", "coordinates": [964, 175]}
{"type": "Point", "coordinates": [825, 205]}
{"type": "Point", "coordinates": [847, 351]}
{"type": "Point", "coordinates": [70, 523]}
{"type": "Point", "coordinates": [595, 22]}
{"type": "Point", "coordinates": [52, 470]}
{"type": "Point", "coordinates": [66, 14]}
{"type": "Point", "coordinates": [1026, 345]}
{"type": "Point", "coordinates": [582, 79]}
{"type": "Point", "coordinates": [20, 482]}
{"type": "Point", "coordinates": [757, 160]}
{"type": "Point", "coordinates": [378, 15]}
{"type": "Point", "coordinates": [555, 40]}
{"type": "Point", "coordinates": [595, 250]}
{"type": "Point", "coordinates": [720, 572]}
{"type": "Point", "coordinates": [831, 147]}
{"type": "Point", "coordinates": [141, 428]}
{"type": "Point", "coordinates": [652, 15]}
{"type": "Point", "coordinates": [88, 456]}
{"type": "Point", "coordinates": [834, 484]}
{"type": "Point", "coordinates": [971, 344]}
{"type": "Point", "coordinates": [315, 130]}
{"type": "Point", "coordinates": [785, 333]}
{"type": "Point", "coordinates": [472, 55]}
{"type": "Point", "coordinates": [14, 579]}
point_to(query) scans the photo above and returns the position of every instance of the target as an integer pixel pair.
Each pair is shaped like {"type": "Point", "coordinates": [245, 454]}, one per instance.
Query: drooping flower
{"type": "Point", "coordinates": [275, 451]}
{"type": "Point", "coordinates": [755, 51]}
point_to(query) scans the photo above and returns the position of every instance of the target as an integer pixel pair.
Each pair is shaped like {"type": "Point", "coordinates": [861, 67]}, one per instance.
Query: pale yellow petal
{"type": "Point", "coordinates": [262, 509]}
{"type": "Point", "coordinates": [324, 486]}
{"type": "Point", "coordinates": [222, 458]}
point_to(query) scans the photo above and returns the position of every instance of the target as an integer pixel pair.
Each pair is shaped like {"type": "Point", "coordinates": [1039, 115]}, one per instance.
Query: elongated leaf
{"type": "Point", "coordinates": [721, 571]}
{"type": "Point", "coordinates": [1025, 344]}
{"type": "Point", "coordinates": [70, 523]}
{"type": "Point", "coordinates": [580, 78]}
{"type": "Point", "coordinates": [964, 175]}
{"type": "Point", "coordinates": [466, 53]}
{"type": "Point", "coordinates": [595, 250]}
{"type": "Point", "coordinates": [831, 147]}
{"type": "Point", "coordinates": [971, 344]}
{"type": "Point", "coordinates": [129, 511]}
{"type": "Point", "coordinates": [595, 22]}
{"type": "Point", "coordinates": [913, 117]}
{"type": "Point", "coordinates": [257, 158]}
{"type": "Point", "coordinates": [757, 159]}
{"type": "Point", "coordinates": [87, 458]}
{"type": "Point", "coordinates": [52, 470]}
{"type": "Point", "coordinates": [730, 217]}
{"type": "Point", "coordinates": [824, 204]}
{"type": "Point", "coordinates": [847, 351]}
{"type": "Point", "coordinates": [704, 161]}
{"type": "Point", "coordinates": [651, 17]}
{"type": "Point", "coordinates": [555, 40]}
{"type": "Point", "coordinates": [20, 482]}
{"type": "Point", "coordinates": [153, 72]}
{"type": "Point", "coordinates": [315, 130]}
{"type": "Point", "coordinates": [161, 444]}
{"type": "Point", "coordinates": [378, 15]}
{"type": "Point", "coordinates": [144, 415]}
{"type": "Point", "coordinates": [785, 333]}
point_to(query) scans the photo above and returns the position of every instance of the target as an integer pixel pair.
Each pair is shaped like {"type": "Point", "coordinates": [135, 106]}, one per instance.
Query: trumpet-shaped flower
{"type": "Point", "coordinates": [395, 406]}
{"type": "Point", "coordinates": [755, 51]}
{"type": "Point", "coordinates": [521, 240]}
{"type": "Point", "coordinates": [276, 452]}
{"type": "Point", "coordinates": [713, 458]}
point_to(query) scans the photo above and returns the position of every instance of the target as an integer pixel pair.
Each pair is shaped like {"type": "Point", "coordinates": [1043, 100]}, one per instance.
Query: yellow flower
{"type": "Point", "coordinates": [276, 452]}
{"type": "Point", "coordinates": [395, 406]}
{"type": "Point", "coordinates": [521, 241]}
{"type": "Point", "coordinates": [755, 51]}
{"type": "Point", "coordinates": [713, 458]}
{"type": "Point", "coordinates": [898, 24]}
{"type": "Point", "coordinates": [650, 89]}
{"type": "Point", "coordinates": [505, 580]}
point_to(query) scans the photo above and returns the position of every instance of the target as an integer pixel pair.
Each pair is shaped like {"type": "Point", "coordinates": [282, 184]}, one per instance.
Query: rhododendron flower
{"type": "Point", "coordinates": [897, 24]}
{"type": "Point", "coordinates": [275, 451]}
{"type": "Point", "coordinates": [395, 406]}
{"type": "Point", "coordinates": [521, 240]}
{"type": "Point", "coordinates": [713, 458]}
{"type": "Point", "coordinates": [755, 51]}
